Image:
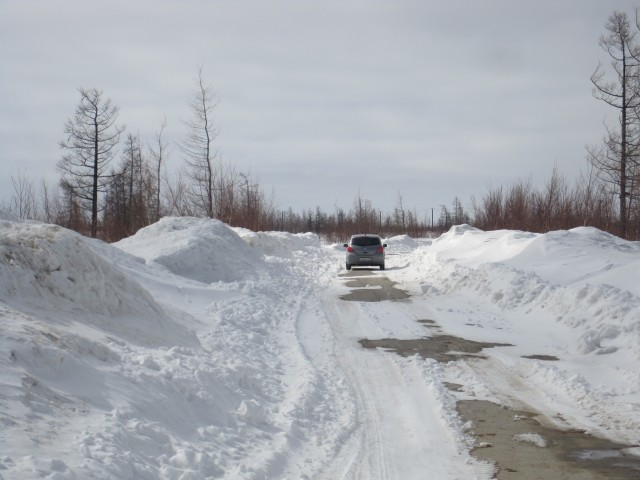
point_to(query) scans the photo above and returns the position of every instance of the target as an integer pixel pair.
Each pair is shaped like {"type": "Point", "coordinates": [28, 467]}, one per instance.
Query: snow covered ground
{"type": "Point", "coordinates": [193, 350]}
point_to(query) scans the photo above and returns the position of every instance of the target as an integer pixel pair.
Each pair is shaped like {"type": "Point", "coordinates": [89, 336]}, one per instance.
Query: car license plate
{"type": "Point", "coordinates": [365, 259]}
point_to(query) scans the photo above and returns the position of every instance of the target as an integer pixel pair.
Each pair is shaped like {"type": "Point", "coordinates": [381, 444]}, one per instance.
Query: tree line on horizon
{"type": "Point", "coordinates": [111, 184]}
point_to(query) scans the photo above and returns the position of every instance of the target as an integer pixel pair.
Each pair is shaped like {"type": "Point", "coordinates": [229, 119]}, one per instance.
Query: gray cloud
{"type": "Point", "coordinates": [320, 99]}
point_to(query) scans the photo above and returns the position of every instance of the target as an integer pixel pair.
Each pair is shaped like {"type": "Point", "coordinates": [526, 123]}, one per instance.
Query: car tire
{"type": "Point", "coordinates": [382, 267]}
{"type": "Point", "coordinates": [348, 266]}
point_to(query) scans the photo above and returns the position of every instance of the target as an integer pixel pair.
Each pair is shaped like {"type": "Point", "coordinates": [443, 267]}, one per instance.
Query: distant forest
{"type": "Point", "coordinates": [111, 184]}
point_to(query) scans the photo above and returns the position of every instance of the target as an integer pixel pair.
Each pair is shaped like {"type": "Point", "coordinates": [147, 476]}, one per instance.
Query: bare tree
{"type": "Point", "coordinates": [130, 194]}
{"type": "Point", "coordinates": [198, 147]}
{"type": "Point", "coordinates": [518, 211]}
{"type": "Point", "coordinates": [399, 214]}
{"type": "Point", "coordinates": [459, 216]}
{"type": "Point", "coordinates": [71, 214]}
{"type": "Point", "coordinates": [445, 222]}
{"type": "Point", "coordinates": [91, 140]}
{"type": "Point", "coordinates": [614, 158]}
{"type": "Point", "coordinates": [50, 201]}
{"type": "Point", "coordinates": [158, 156]}
{"type": "Point", "coordinates": [365, 216]}
{"type": "Point", "coordinates": [24, 202]}
{"type": "Point", "coordinates": [226, 194]}
{"type": "Point", "coordinates": [489, 210]}
{"type": "Point", "coordinates": [176, 196]}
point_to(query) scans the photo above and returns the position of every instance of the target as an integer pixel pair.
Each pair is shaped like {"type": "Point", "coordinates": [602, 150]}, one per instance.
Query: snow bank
{"type": "Point", "coordinates": [50, 271]}
{"type": "Point", "coordinates": [571, 294]}
{"type": "Point", "coordinates": [582, 256]}
{"type": "Point", "coordinates": [279, 244]}
{"type": "Point", "coordinates": [403, 244]}
{"type": "Point", "coordinates": [586, 277]}
{"type": "Point", "coordinates": [575, 256]}
{"type": "Point", "coordinates": [205, 250]}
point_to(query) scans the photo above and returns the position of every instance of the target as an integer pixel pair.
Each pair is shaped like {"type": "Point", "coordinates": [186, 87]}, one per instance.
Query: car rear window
{"type": "Point", "coordinates": [366, 241]}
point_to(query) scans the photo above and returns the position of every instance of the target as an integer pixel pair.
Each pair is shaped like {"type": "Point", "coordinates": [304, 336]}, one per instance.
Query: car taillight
{"type": "Point", "coordinates": [380, 249]}
{"type": "Point", "coordinates": [349, 249]}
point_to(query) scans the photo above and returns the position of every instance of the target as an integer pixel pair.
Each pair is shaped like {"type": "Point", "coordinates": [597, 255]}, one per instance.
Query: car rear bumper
{"type": "Point", "coordinates": [365, 260]}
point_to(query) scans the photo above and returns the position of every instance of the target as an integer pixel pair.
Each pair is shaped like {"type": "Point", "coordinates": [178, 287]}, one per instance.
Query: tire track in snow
{"type": "Point", "coordinates": [401, 430]}
{"type": "Point", "coordinates": [356, 461]}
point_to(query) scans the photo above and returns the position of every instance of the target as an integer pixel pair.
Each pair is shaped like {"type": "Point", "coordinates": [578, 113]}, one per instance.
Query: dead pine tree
{"type": "Point", "coordinates": [158, 157]}
{"type": "Point", "coordinates": [615, 157]}
{"type": "Point", "coordinates": [91, 139]}
{"type": "Point", "coordinates": [198, 149]}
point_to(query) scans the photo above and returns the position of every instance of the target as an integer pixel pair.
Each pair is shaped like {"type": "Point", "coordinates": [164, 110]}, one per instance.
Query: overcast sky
{"type": "Point", "coordinates": [320, 100]}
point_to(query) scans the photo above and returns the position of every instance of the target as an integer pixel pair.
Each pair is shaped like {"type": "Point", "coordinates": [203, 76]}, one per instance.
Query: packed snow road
{"type": "Point", "coordinates": [194, 351]}
{"type": "Point", "coordinates": [403, 427]}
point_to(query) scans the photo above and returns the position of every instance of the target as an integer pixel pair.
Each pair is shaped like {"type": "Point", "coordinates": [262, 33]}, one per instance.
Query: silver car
{"type": "Point", "coordinates": [365, 250]}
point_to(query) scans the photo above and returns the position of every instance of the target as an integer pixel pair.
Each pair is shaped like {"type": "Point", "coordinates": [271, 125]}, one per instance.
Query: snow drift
{"type": "Point", "coordinates": [200, 249]}
{"type": "Point", "coordinates": [587, 278]}
{"type": "Point", "coordinates": [54, 273]}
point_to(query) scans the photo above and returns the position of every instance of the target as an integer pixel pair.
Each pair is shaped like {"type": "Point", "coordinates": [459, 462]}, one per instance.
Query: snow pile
{"type": "Point", "coordinates": [402, 244]}
{"type": "Point", "coordinates": [50, 271]}
{"type": "Point", "coordinates": [586, 277]}
{"type": "Point", "coordinates": [279, 244]}
{"type": "Point", "coordinates": [570, 294]}
{"type": "Point", "coordinates": [204, 250]}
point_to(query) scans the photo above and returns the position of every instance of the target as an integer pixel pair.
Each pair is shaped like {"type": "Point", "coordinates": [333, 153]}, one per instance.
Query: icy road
{"type": "Point", "coordinates": [193, 350]}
